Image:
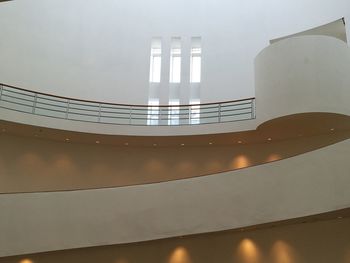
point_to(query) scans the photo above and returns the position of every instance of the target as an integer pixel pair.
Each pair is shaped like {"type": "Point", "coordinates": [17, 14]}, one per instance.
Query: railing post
{"type": "Point", "coordinates": [1, 87]}
{"type": "Point", "coordinates": [219, 109]}
{"type": "Point", "coordinates": [130, 115]}
{"type": "Point", "coordinates": [67, 110]}
{"type": "Point", "coordinates": [159, 116]}
{"type": "Point", "coordinates": [253, 109]}
{"type": "Point", "coordinates": [34, 103]}
{"type": "Point", "coordinates": [99, 112]}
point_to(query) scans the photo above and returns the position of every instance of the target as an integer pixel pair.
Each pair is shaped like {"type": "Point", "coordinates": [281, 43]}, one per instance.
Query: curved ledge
{"type": "Point", "coordinates": [54, 221]}
{"type": "Point", "coordinates": [30, 164]}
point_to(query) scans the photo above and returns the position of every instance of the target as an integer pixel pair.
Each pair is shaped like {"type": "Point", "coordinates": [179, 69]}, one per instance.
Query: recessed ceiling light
{"type": "Point", "coordinates": [210, 143]}
{"type": "Point", "coordinates": [239, 142]}
{"type": "Point", "coordinates": [67, 139]}
{"type": "Point", "coordinates": [269, 139]}
{"type": "Point", "coordinates": [332, 129]}
{"type": "Point", "coordinates": [97, 142]}
{"type": "Point", "coordinates": [182, 144]}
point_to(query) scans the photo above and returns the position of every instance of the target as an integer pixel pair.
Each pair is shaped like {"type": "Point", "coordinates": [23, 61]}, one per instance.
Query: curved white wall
{"type": "Point", "coordinates": [295, 187]}
{"type": "Point", "coordinates": [303, 74]}
{"type": "Point", "coordinates": [100, 50]}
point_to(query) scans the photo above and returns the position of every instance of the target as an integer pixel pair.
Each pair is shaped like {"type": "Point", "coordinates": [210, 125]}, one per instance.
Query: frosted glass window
{"type": "Point", "coordinates": [155, 65]}
{"type": "Point", "coordinates": [174, 110]}
{"type": "Point", "coordinates": [175, 65]}
{"type": "Point", "coordinates": [196, 61]}
{"type": "Point", "coordinates": [153, 112]}
{"type": "Point", "coordinates": [195, 112]}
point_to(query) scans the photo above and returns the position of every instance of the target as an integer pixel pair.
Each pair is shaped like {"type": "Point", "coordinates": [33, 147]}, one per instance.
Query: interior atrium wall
{"type": "Point", "coordinates": [100, 50]}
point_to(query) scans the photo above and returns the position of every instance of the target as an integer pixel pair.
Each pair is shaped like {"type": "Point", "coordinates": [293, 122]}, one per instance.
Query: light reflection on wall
{"type": "Point", "coordinates": [241, 161]}
{"type": "Point", "coordinates": [347, 255]}
{"type": "Point", "coordinates": [154, 166]}
{"type": "Point", "coordinates": [121, 260]}
{"type": "Point", "coordinates": [180, 255]}
{"type": "Point", "coordinates": [273, 157]}
{"type": "Point", "coordinates": [283, 253]}
{"type": "Point", "coordinates": [26, 261]}
{"type": "Point", "coordinates": [248, 252]}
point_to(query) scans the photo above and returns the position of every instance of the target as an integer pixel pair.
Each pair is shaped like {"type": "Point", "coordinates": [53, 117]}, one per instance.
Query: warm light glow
{"type": "Point", "coordinates": [347, 256]}
{"type": "Point", "coordinates": [26, 261]}
{"type": "Point", "coordinates": [273, 157]}
{"type": "Point", "coordinates": [180, 255]}
{"type": "Point", "coordinates": [154, 166]}
{"type": "Point", "coordinates": [239, 162]}
{"type": "Point", "coordinates": [248, 252]}
{"type": "Point", "coordinates": [283, 253]}
{"type": "Point", "coordinates": [121, 260]}
{"type": "Point", "coordinates": [185, 168]}
{"type": "Point", "coordinates": [214, 166]}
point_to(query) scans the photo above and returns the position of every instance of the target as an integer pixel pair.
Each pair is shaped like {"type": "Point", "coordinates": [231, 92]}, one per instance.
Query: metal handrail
{"type": "Point", "coordinates": [43, 104]}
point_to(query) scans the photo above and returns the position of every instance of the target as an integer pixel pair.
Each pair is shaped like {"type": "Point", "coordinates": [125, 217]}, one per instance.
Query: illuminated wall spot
{"type": "Point", "coordinates": [273, 157]}
{"type": "Point", "coordinates": [154, 166]}
{"type": "Point", "coordinates": [347, 255]}
{"type": "Point", "coordinates": [121, 260]}
{"type": "Point", "coordinates": [248, 252]}
{"type": "Point", "coordinates": [26, 261]}
{"type": "Point", "coordinates": [180, 255]}
{"type": "Point", "coordinates": [283, 253]}
{"type": "Point", "coordinates": [241, 161]}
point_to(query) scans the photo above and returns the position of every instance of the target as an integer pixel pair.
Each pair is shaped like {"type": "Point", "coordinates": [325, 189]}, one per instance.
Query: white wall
{"type": "Point", "coordinates": [99, 50]}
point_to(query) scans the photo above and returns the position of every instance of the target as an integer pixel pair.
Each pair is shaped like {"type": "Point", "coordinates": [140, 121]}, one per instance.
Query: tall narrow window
{"type": "Point", "coordinates": [153, 112]}
{"type": "Point", "coordinates": [155, 61]}
{"type": "Point", "coordinates": [175, 60]}
{"type": "Point", "coordinates": [196, 61]}
{"type": "Point", "coordinates": [195, 110]}
{"type": "Point", "coordinates": [174, 110]}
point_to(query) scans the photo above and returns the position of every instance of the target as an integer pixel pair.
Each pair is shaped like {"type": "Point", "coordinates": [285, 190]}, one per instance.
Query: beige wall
{"type": "Point", "coordinates": [32, 165]}
{"type": "Point", "coordinates": [317, 242]}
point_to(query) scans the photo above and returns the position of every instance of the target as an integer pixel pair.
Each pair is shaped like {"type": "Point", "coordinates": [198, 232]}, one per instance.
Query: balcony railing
{"type": "Point", "coordinates": [37, 103]}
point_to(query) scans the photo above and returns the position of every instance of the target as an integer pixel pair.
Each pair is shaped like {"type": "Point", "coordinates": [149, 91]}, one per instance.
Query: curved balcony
{"type": "Point", "coordinates": [41, 104]}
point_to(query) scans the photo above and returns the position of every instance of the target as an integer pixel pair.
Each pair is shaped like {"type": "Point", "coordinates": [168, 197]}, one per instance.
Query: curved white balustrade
{"type": "Point", "coordinates": [295, 187]}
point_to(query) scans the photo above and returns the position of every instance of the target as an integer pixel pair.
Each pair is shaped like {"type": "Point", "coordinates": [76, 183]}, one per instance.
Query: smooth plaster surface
{"type": "Point", "coordinates": [311, 183]}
